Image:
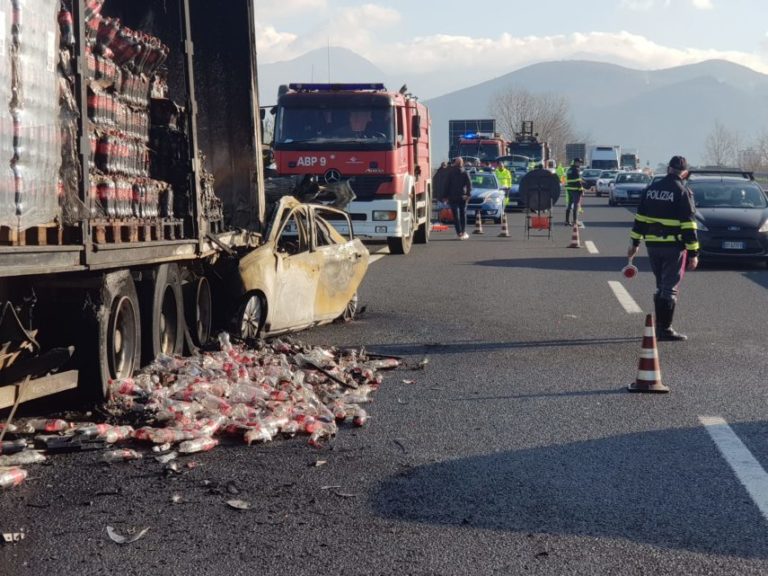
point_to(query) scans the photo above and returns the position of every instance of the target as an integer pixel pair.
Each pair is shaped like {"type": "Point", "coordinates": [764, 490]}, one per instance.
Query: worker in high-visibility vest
{"type": "Point", "coordinates": [574, 188]}
{"type": "Point", "coordinates": [560, 171]}
{"type": "Point", "coordinates": [666, 220]}
{"type": "Point", "coordinates": [504, 176]}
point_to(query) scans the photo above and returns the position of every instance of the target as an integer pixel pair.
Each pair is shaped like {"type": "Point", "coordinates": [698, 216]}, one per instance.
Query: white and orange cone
{"type": "Point", "coordinates": [575, 242]}
{"type": "Point", "coordinates": [478, 223]}
{"type": "Point", "coordinates": [504, 226]}
{"type": "Point", "coordinates": [648, 372]}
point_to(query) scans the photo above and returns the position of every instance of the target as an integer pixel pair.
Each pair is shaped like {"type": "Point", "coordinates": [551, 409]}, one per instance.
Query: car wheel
{"type": "Point", "coordinates": [249, 319]}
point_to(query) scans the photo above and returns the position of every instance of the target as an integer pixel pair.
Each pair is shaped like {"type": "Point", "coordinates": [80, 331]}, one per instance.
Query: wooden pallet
{"type": "Point", "coordinates": [46, 235]}
{"type": "Point", "coordinates": [117, 231]}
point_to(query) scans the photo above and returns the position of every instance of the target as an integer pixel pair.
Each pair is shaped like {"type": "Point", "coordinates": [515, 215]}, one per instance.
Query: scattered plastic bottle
{"type": "Point", "coordinates": [12, 477]}
{"type": "Point", "coordinates": [23, 458]}
{"type": "Point", "coordinates": [42, 425]}
{"type": "Point", "coordinates": [124, 455]}
{"type": "Point", "coordinates": [116, 434]}
{"type": "Point", "coordinates": [92, 430]}
{"type": "Point", "coordinates": [12, 446]}
{"type": "Point", "coordinates": [360, 417]}
{"type": "Point", "coordinates": [198, 445]}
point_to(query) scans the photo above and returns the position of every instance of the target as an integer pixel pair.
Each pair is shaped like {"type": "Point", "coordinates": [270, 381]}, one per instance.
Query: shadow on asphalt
{"type": "Point", "coordinates": [644, 488]}
{"type": "Point", "coordinates": [594, 263]}
{"type": "Point", "coordinates": [469, 346]}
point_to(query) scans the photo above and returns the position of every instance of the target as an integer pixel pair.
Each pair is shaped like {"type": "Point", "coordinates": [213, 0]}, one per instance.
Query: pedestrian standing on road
{"type": "Point", "coordinates": [456, 193]}
{"type": "Point", "coordinates": [666, 221]}
{"type": "Point", "coordinates": [574, 189]}
{"type": "Point", "coordinates": [438, 180]}
{"type": "Point", "coordinates": [504, 176]}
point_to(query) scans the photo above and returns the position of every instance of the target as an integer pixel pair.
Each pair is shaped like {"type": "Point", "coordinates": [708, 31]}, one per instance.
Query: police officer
{"type": "Point", "coordinates": [574, 188]}
{"type": "Point", "coordinates": [504, 176]}
{"type": "Point", "coordinates": [666, 221]}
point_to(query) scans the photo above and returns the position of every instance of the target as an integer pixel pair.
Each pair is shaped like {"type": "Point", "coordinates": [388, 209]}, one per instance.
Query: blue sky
{"type": "Point", "coordinates": [493, 37]}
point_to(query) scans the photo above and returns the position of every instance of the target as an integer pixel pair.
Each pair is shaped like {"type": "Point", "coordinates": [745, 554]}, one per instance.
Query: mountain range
{"type": "Point", "coordinates": [659, 113]}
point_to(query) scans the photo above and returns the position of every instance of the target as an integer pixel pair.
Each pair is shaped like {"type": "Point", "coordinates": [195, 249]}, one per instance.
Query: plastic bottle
{"type": "Point", "coordinates": [116, 434]}
{"type": "Point", "coordinates": [12, 477]}
{"type": "Point", "coordinates": [42, 425]}
{"type": "Point", "coordinates": [12, 446]}
{"type": "Point", "coordinates": [121, 456]}
{"type": "Point", "coordinates": [198, 445]}
{"type": "Point", "coordinates": [22, 458]}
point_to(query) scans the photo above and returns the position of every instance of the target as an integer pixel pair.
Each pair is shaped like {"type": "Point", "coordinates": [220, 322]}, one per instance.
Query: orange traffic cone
{"type": "Point", "coordinates": [648, 373]}
{"type": "Point", "coordinates": [504, 227]}
{"type": "Point", "coordinates": [575, 242]}
{"type": "Point", "coordinates": [478, 223]}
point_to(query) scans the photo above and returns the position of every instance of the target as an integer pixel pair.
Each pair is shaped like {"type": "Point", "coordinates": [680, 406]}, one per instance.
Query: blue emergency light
{"type": "Point", "coordinates": [315, 87]}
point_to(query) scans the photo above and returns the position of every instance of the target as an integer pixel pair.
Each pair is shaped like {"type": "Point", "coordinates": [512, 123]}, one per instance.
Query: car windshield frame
{"type": "Point", "coordinates": [591, 173]}
{"type": "Point", "coordinates": [484, 177]}
{"type": "Point", "coordinates": [722, 193]}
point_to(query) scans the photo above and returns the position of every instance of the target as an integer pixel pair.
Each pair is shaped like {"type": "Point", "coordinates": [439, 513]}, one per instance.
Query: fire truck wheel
{"type": "Point", "coordinates": [118, 321]}
{"type": "Point", "coordinates": [163, 316]}
{"type": "Point", "coordinates": [402, 245]}
{"type": "Point", "coordinates": [422, 234]}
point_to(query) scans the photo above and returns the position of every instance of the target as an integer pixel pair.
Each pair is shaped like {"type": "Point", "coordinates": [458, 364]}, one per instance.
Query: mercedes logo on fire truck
{"type": "Point", "coordinates": [332, 176]}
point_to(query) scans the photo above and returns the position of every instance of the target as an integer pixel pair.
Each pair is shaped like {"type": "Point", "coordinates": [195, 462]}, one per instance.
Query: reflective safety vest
{"type": "Point", "coordinates": [504, 177]}
{"type": "Point", "coordinates": [666, 216]}
{"type": "Point", "coordinates": [560, 171]}
{"type": "Point", "coordinates": [573, 183]}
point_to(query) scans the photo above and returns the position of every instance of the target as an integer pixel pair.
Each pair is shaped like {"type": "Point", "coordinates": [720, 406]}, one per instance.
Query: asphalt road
{"type": "Point", "coordinates": [517, 450]}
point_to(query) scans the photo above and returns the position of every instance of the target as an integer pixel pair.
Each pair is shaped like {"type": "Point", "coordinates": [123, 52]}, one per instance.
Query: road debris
{"type": "Point", "coordinates": [120, 539]}
{"type": "Point", "coordinates": [239, 504]}
{"type": "Point", "coordinates": [186, 405]}
{"type": "Point", "coordinates": [13, 537]}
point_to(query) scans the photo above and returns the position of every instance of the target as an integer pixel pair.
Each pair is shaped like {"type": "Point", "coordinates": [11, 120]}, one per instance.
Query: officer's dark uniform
{"type": "Point", "coordinates": [666, 221]}
{"type": "Point", "coordinates": [574, 187]}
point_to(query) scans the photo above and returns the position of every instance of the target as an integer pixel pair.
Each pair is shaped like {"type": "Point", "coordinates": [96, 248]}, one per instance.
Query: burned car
{"type": "Point", "coordinates": [305, 273]}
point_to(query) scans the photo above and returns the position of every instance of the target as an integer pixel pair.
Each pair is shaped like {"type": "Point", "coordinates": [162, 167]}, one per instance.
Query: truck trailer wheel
{"type": "Point", "coordinates": [199, 309]}
{"type": "Point", "coordinates": [119, 331]}
{"type": "Point", "coordinates": [163, 316]}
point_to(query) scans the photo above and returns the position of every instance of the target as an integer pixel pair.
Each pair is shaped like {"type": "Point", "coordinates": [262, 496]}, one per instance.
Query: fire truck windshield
{"type": "Point", "coordinates": [486, 152]}
{"type": "Point", "coordinates": [334, 127]}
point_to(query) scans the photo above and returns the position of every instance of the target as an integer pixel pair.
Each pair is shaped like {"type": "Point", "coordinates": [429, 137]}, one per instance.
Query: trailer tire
{"type": "Point", "coordinates": [163, 316]}
{"type": "Point", "coordinates": [118, 342]}
{"type": "Point", "coordinates": [199, 309]}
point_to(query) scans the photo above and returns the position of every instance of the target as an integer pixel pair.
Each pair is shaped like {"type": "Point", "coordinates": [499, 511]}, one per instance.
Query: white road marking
{"type": "Point", "coordinates": [375, 257]}
{"type": "Point", "coordinates": [740, 459]}
{"type": "Point", "coordinates": [591, 248]}
{"type": "Point", "coordinates": [624, 298]}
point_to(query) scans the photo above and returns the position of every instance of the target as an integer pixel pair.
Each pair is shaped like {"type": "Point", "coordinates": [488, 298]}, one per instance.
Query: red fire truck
{"type": "Point", "coordinates": [482, 147]}
{"type": "Point", "coordinates": [377, 141]}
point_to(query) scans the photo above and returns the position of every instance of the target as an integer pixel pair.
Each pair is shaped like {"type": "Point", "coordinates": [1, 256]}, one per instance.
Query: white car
{"type": "Point", "coordinates": [605, 181]}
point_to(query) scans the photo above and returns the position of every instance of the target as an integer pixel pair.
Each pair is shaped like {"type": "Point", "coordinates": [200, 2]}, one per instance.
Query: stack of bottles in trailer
{"type": "Point", "coordinates": [123, 79]}
{"type": "Point", "coordinates": [30, 139]}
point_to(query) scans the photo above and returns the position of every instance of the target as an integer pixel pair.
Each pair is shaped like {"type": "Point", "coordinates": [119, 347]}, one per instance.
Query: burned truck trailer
{"type": "Point", "coordinates": [129, 132]}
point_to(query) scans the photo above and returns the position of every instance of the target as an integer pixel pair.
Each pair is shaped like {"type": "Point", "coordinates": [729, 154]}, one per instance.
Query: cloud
{"type": "Point", "coordinates": [638, 5]}
{"type": "Point", "coordinates": [281, 8]}
{"type": "Point", "coordinates": [703, 4]}
{"type": "Point", "coordinates": [354, 28]}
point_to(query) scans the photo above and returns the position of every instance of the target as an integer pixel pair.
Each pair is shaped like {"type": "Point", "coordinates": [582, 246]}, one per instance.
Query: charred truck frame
{"type": "Point", "coordinates": [112, 221]}
{"type": "Point", "coordinates": [377, 142]}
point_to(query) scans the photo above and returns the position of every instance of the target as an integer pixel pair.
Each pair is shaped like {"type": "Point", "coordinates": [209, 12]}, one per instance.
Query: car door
{"type": "Point", "coordinates": [343, 258]}
{"type": "Point", "coordinates": [297, 271]}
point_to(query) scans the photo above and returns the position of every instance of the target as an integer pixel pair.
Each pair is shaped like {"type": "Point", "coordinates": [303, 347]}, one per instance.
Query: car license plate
{"type": "Point", "coordinates": [513, 202]}
{"type": "Point", "coordinates": [733, 245]}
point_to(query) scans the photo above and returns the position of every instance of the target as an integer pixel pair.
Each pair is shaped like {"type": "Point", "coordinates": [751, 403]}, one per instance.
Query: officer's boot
{"type": "Point", "coordinates": [665, 312]}
{"type": "Point", "coordinates": [567, 216]}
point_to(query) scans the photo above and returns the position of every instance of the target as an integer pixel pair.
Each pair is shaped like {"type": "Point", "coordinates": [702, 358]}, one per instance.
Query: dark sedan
{"type": "Point", "coordinates": [732, 214]}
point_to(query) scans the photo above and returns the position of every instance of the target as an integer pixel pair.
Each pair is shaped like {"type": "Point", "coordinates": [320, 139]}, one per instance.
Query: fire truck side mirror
{"type": "Point", "coordinates": [416, 126]}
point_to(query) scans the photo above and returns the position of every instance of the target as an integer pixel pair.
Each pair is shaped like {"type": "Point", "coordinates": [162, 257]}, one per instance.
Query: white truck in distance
{"type": "Point", "coordinates": [604, 157]}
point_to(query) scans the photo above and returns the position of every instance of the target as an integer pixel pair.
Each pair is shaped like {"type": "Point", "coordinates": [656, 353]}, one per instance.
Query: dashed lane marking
{"type": "Point", "coordinates": [747, 469]}
{"type": "Point", "coordinates": [624, 298]}
{"type": "Point", "coordinates": [591, 248]}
